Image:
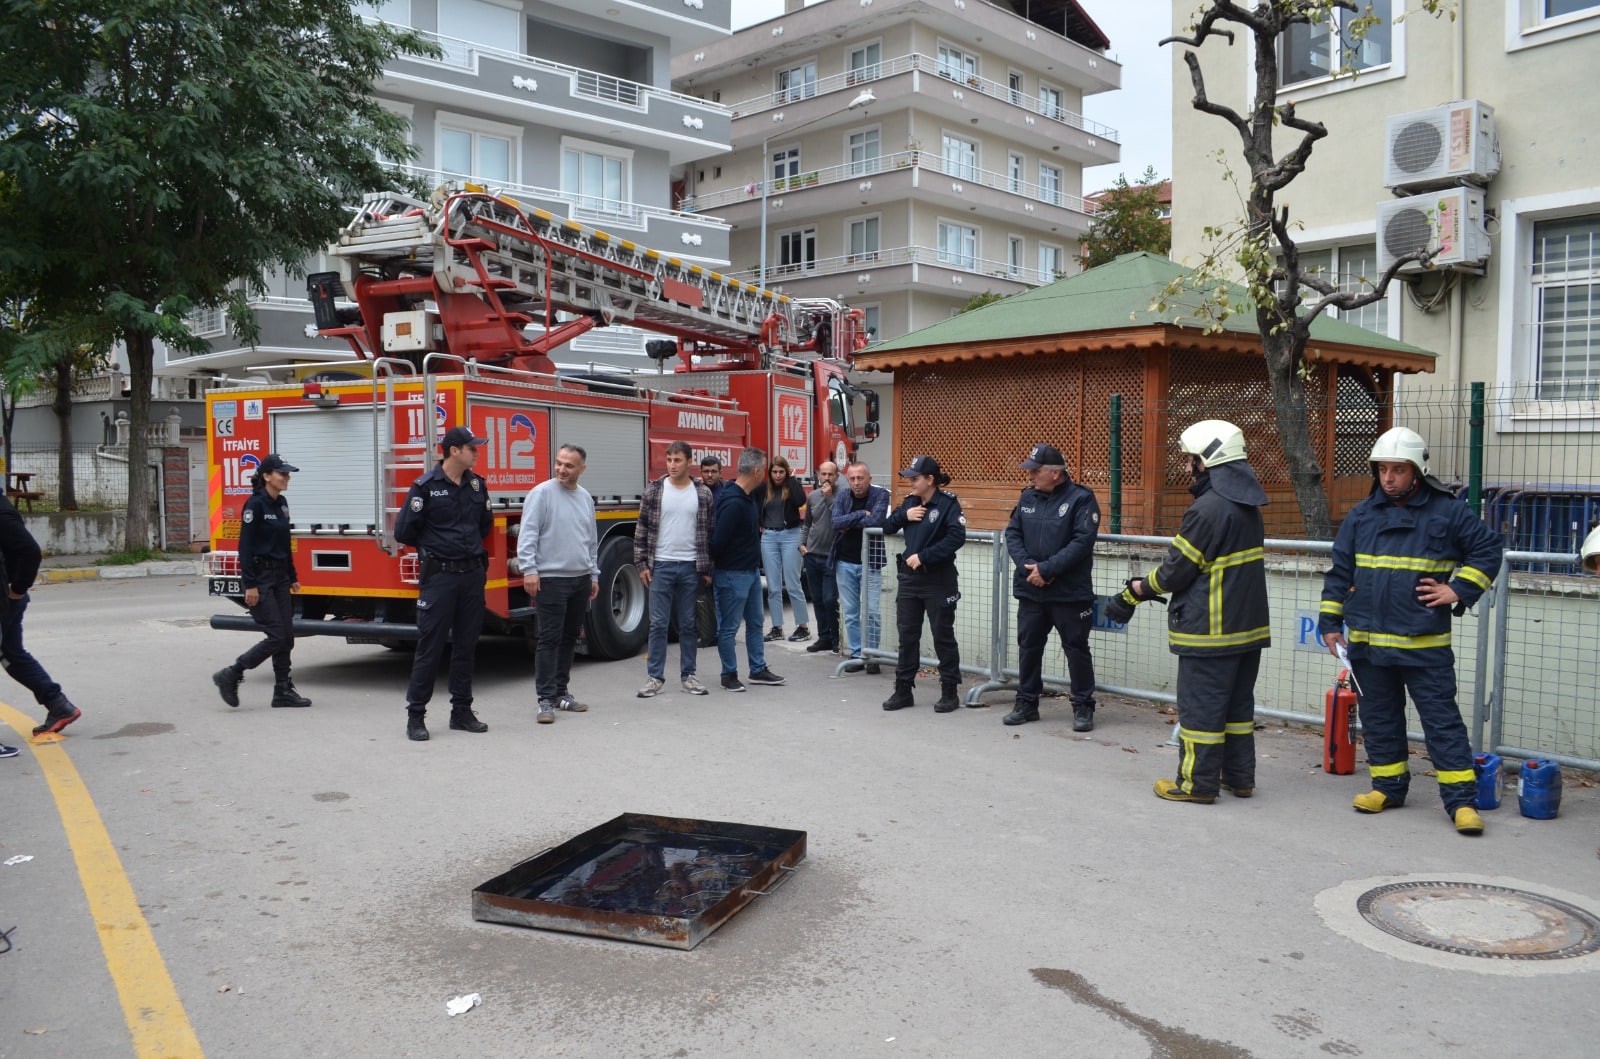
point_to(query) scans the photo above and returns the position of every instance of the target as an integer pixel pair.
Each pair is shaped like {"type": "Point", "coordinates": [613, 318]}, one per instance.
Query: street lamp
{"type": "Point", "coordinates": [861, 100]}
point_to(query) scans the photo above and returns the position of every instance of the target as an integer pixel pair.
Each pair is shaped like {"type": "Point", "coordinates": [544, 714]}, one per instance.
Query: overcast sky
{"type": "Point", "coordinates": [1141, 111]}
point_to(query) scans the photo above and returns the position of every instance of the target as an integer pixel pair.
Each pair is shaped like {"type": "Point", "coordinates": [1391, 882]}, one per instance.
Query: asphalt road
{"type": "Point", "coordinates": [971, 889]}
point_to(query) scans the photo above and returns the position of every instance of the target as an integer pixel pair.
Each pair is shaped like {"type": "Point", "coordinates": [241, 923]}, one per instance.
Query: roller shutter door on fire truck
{"type": "Point", "coordinates": [337, 457]}
{"type": "Point", "coordinates": [615, 442]}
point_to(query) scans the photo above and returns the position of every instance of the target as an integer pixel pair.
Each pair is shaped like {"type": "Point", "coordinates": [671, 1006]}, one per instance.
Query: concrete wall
{"type": "Point", "coordinates": [83, 533]}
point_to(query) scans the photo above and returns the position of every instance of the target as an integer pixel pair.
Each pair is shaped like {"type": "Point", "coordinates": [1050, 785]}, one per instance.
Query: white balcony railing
{"type": "Point", "coordinates": [929, 64]}
{"type": "Point", "coordinates": [865, 170]}
{"type": "Point", "coordinates": [867, 261]}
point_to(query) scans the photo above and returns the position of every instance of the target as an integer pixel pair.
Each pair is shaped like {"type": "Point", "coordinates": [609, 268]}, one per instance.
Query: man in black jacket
{"type": "Point", "coordinates": [21, 565]}
{"type": "Point", "coordinates": [935, 529]}
{"type": "Point", "coordinates": [1051, 539]}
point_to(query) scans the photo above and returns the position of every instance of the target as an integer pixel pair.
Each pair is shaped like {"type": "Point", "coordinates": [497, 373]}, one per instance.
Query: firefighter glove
{"type": "Point", "coordinates": [1119, 608]}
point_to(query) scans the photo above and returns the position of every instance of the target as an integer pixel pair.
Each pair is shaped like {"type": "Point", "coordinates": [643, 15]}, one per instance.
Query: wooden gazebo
{"type": "Point", "coordinates": [979, 390]}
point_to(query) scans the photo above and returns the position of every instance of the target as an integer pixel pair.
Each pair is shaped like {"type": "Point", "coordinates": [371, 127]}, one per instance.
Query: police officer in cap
{"type": "Point", "coordinates": [935, 529]}
{"type": "Point", "coordinates": [266, 569]}
{"type": "Point", "coordinates": [446, 518]}
{"type": "Point", "coordinates": [1051, 539]}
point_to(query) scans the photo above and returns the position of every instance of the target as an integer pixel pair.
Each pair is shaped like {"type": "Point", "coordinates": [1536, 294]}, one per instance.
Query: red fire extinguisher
{"type": "Point", "coordinates": [1339, 737]}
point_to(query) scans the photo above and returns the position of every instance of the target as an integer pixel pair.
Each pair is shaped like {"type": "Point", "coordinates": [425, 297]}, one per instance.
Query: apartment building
{"type": "Point", "coordinates": [903, 156]}
{"type": "Point", "coordinates": [1507, 185]}
{"type": "Point", "coordinates": [567, 104]}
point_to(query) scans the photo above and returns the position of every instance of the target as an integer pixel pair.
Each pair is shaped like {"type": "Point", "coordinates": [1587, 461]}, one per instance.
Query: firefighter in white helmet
{"type": "Point", "coordinates": [1403, 558]}
{"type": "Point", "coordinates": [1217, 624]}
{"type": "Point", "coordinates": [1590, 552]}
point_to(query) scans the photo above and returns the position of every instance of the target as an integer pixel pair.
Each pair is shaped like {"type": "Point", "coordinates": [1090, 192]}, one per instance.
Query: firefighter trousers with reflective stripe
{"type": "Point", "coordinates": [1383, 724]}
{"type": "Point", "coordinates": [1216, 721]}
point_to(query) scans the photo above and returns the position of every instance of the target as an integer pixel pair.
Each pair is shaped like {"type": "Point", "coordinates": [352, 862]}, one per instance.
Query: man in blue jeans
{"type": "Point", "coordinates": [20, 554]}
{"type": "Point", "coordinates": [672, 550]}
{"type": "Point", "coordinates": [857, 560]}
{"type": "Point", "coordinates": [736, 555]}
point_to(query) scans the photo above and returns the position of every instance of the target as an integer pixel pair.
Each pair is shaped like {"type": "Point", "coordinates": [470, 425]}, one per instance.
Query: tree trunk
{"type": "Point", "coordinates": [141, 367]}
{"type": "Point", "coordinates": [61, 405]}
{"type": "Point", "coordinates": [1294, 427]}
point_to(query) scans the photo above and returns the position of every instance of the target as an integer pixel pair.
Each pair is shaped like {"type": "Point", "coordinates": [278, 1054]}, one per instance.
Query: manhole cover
{"type": "Point", "coordinates": [1479, 919]}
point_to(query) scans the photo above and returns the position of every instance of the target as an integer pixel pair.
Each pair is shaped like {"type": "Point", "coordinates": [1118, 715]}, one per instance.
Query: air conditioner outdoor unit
{"type": "Point", "coordinates": [1449, 222]}
{"type": "Point", "coordinates": [1449, 144]}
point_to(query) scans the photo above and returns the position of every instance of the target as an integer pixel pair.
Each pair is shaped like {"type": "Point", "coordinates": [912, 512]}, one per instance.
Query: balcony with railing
{"type": "Point", "coordinates": [900, 267]}
{"type": "Point", "coordinates": [949, 91]}
{"type": "Point", "coordinates": [685, 127]}
{"type": "Point", "coordinates": [905, 174]}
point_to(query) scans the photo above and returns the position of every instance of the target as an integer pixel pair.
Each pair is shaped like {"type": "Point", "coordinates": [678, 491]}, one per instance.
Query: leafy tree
{"type": "Point", "coordinates": [978, 301]}
{"type": "Point", "coordinates": [165, 153]}
{"type": "Point", "coordinates": [1129, 221]}
{"type": "Point", "coordinates": [1285, 298]}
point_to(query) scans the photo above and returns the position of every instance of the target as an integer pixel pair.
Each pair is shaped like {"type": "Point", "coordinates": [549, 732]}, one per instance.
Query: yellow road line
{"type": "Point", "coordinates": [150, 1004]}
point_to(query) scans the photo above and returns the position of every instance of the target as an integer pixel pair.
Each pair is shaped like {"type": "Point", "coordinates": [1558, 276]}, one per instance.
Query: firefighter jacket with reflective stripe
{"type": "Point", "coordinates": [1382, 552]}
{"type": "Point", "coordinates": [1057, 531]}
{"type": "Point", "coordinates": [1216, 575]}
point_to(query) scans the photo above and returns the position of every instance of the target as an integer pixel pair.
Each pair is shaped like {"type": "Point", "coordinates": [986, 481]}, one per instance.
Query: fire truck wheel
{"type": "Point", "coordinates": [619, 621]}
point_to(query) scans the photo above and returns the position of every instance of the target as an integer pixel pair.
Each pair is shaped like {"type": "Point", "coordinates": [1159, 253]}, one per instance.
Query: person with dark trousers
{"type": "Point", "coordinates": [935, 529]}
{"type": "Point", "coordinates": [816, 542]}
{"type": "Point", "coordinates": [1051, 539]}
{"type": "Point", "coordinates": [672, 551]}
{"type": "Point", "coordinates": [266, 570]}
{"type": "Point", "coordinates": [19, 566]}
{"type": "Point", "coordinates": [736, 572]}
{"type": "Point", "coordinates": [705, 599]}
{"type": "Point", "coordinates": [446, 517]}
{"type": "Point", "coordinates": [1218, 623]}
{"type": "Point", "coordinates": [1402, 559]}
{"type": "Point", "coordinates": [558, 546]}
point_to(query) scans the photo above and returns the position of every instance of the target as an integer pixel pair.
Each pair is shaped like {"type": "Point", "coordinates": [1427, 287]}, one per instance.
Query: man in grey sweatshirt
{"type": "Point", "coordinates": [559, 550]}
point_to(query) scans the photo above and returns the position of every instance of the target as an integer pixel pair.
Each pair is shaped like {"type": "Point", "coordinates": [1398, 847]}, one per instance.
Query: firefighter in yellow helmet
{"type": "Point", "coordinates": [1403, 558]}
{"type": "Point", "coordinates": [1217, 623]}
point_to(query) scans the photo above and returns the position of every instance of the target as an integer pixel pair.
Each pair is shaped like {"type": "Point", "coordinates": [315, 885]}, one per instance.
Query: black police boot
{"type": "Point", "coordinates": [901, 699]}
{"type": "Point", "coordinates": [462, 719]}
{"type": "Point", "coordinates": [415, 729]}
{"type": "Point", "coordinates": [1022, 713]}
{"type": "Point", "coordinates": [1083, 718]}
{"type": "Point", "coordinates": [227, 682]}
{"type": "Point", "coordinates": [284, 694]}
{"type": "Point", "coordinates": [947, 699]}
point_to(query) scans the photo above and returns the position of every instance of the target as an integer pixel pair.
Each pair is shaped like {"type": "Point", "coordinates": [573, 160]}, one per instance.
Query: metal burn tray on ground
{"type": "Point", "coordinates": [659, 880]}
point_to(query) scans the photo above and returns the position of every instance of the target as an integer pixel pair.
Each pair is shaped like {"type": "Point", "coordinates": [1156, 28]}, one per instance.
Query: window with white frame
{"type": "Point", "coordinates": [1557, 8]}
{"type": "Point", "coordinates": [1014, 165]}
{"type": "Point", "coordinates": [1534, 22]}
{"type": "Point", "coordinates": [1566, 305]}
{"type": "Point", "coordinates": [1050, 103]}
{"type": "Point", "coordinates": [797, 82]}
{"type": "Point", "coordinates": [866, 64]}
{"type": "Point", "coordinates": [1353, 268]}
{"type": "Point", "coordinates": [960, 158]}
{"type": "Point", "coordinates": [785, 163]}
{"type": "Point", "coordinates": [958, 245]}
{"type": "Point", "coordinates": [862, 238]}
{"type": "Point", "coordinates": [1014, 88]}
{"type": "Point", "coordinates": [797, 251]}
{"type": "Point", "coordinates": [465, 23]}
{"type": "Point", "coordinates": [870, 315]}
{"type": "Point", "coordinates": [476, 149]}
{"type": "Point", "coordinates": [865, 151]}
{"type": "Point", "coordinates": [1307, 52]}
{"type": "Point", "coordinates": [597, 175]}
{"type": "Point", "coordinates": [1052, 262]}
{"type": "Point", "coordinates": [208, 323]}
{"type": "Point", "coordinates": [956, 64]}
{"type": "Point", "coordinates": [1014, 252]}
{"type": "Point", "coordinates": [1050, 184]}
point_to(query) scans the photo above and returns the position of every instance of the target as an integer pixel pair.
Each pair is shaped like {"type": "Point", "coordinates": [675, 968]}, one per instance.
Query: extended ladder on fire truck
{"type": "Point", "coordinates": [519, 265]}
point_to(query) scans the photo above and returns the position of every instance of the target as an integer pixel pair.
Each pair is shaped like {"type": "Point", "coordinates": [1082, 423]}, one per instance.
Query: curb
{"type": "Point", "coordinates": [67, 574]}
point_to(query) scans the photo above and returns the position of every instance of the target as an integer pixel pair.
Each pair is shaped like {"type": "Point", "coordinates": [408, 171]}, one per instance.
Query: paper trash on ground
{"type": "Point", "coordinates": [462, 1004]}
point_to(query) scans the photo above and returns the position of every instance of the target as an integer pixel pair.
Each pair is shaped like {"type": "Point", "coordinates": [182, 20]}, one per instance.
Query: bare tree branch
{"type": "Point", "coordinates": [1203, 104]}
{"type": "Point", "coordinates": [1293, 163]}
{"type": "Point", "coordinates": [1221, 11]}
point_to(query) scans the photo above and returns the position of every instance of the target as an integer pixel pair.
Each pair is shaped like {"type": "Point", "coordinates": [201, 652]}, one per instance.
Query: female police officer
{"type": "Point", "coordinates": [266, 569]}
{"type": "Point", "coordinates": [935, 529]}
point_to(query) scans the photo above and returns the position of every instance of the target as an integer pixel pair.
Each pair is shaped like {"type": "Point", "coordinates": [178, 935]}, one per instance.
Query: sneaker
{"type": "Point", "coordinates": [652, 688]}
{"type": "Point", "coordinates": [8, 751]}
{"type": "Point", "coordinates": [1083, 718]}
{"type": "Point", "coordinates": [731, 682]}
{"type": "Point", "coordinates": [1237, 791]}
{"type": "Point", "coordinates": [1169, 791]}
{"type": "Point", "coordinates": [547, 712]}
{"type": "Point", "coordinates": [570, 704]}
{"type": "Point", "coordinates": [466, 721]}
{"type": "Point", "coordinates": [58, 715]}
{"type": "Point", "coordinates": [692, 685]}
{"type": "Point", "coordinates": [766, 676]}
{"type": "Point", "coordinates": [801, 633]}
{"type": "Point", "coordinates": [819, 647]}
{"type": "Point", "coordinates": [227, 682]}
{"type": "Point", "coordinates": [775, 634]}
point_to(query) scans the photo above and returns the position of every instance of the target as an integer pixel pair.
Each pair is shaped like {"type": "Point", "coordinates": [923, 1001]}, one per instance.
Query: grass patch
{"type": "Point", "coordinates": [130, 558]}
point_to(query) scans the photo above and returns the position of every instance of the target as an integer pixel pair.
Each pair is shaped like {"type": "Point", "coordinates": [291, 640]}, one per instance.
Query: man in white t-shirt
{"type": "Point", "coordinates": [670, 549]}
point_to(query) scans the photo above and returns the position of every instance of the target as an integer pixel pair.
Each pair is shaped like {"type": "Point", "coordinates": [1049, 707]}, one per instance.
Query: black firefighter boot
{"type": "Point", "coordinates": [462, 719]}
{"type": "Point", "coordinates": [284, 695]}
{"type": "Point", "coordinates": [947, 699]}
{"type": "Point", "coordinates": [901, 699]}
{"type": "Point", "coordinates": [415, 729]}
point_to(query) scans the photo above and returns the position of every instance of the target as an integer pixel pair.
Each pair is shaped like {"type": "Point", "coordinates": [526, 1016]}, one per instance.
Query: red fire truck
{"type": "Point", "coordinates": [449, 296]}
